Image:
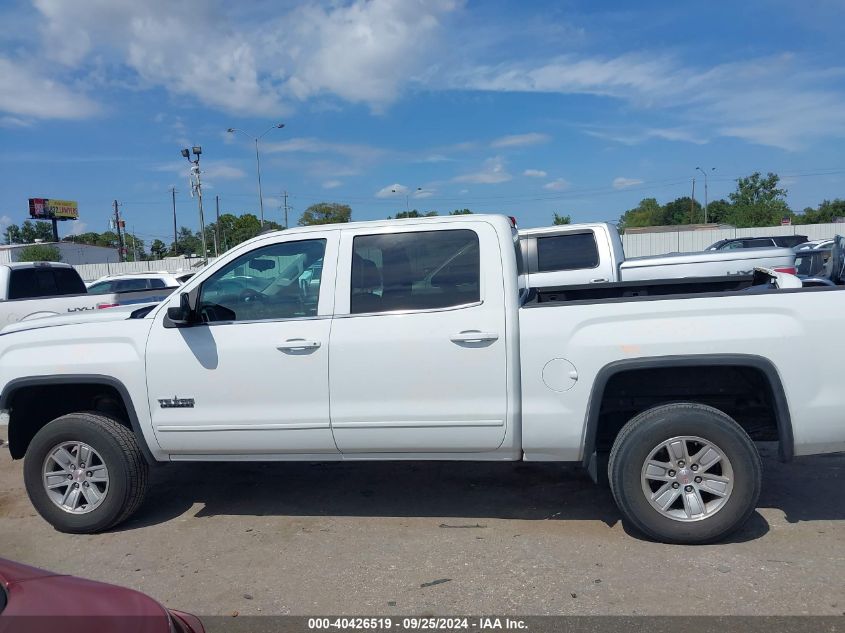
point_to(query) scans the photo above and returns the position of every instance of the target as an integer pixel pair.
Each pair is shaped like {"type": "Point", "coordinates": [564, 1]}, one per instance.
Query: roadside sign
{"type": "Point", "coordinates": [48, 209]}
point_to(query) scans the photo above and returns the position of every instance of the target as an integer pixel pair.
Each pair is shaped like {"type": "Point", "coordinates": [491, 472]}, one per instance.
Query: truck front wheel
{"type": "Point", "coordinates": [84, 473]}
{"type": "Point", "coordinates": [685, 473]}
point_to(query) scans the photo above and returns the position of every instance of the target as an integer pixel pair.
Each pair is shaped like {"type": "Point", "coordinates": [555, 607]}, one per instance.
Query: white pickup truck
{"type": "Point", "coordinates": [417, 340]}
{"type": "Point", "coordinates": [32, 290]}
{"type": "Point", "coordinates": [573, 254]}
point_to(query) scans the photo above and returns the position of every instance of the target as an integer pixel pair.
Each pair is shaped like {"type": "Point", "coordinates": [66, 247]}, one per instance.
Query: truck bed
{"type": "Point", "coordinates": [633, 289]}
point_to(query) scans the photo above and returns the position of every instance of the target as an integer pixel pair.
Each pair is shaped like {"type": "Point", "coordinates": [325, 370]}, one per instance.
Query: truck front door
{"type": "Point", "coordinates": [418, 361]}
{"type": "Point", "coordinates": [251, 378]}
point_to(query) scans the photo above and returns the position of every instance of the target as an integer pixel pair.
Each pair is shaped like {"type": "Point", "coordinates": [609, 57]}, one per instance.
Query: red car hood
{"type": "Point", "coordinates": [70, 604]}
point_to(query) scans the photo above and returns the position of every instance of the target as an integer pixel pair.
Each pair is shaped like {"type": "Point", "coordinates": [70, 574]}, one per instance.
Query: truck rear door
{"type": "Point", "coordinates": [417, 362]}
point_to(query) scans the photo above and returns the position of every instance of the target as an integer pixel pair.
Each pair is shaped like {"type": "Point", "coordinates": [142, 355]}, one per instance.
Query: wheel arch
{"type": "Point", "coordinates": [15, 387]}
{"type": "Point", "coordinates": [763, 365]}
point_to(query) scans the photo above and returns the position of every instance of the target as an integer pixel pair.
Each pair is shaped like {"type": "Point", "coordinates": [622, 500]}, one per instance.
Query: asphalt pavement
{"type": "Point", "coordinates": [441, 538]}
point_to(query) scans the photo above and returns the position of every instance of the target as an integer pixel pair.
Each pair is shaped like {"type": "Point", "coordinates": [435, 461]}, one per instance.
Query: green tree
{"type": "Point", "coordinates": [326, 213]}
{"type": "Point", "coordinates": [39, 253]}
{"type": "Point", "coordinates": [562, 219]}
{"type": "Point", "coordinates": [758, 201]}
{"type": "Point", "coordinates": [12, 235]}
{"type": "Point", "coordinates": [28, 232]}
{"type": "Point", "coordinates": [158, 249]}
{"type": "Point", "coordinates": [460, 212]}
{"type": "Point", "coordinates": [31, 231]}
{"type": "Point", "coordinates": [718, 211]}
{"type": "Point", "coordinates": [647, 213]}
{"type": "Point", "coordinates": [681, 211]}
{"type": "Point", "coordinates": [827, 211]}
{"type": "Point", "coordinates": [187, 243]}
{"type": "Point", "coordinates": [413, 213]}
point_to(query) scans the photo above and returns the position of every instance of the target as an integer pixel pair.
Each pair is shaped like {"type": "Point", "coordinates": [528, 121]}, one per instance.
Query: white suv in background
{"type": "Point", "coordinates": [135, 281]}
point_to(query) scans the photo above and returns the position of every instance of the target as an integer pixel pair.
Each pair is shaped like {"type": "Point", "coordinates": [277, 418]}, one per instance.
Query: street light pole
{"type": "Point", "coordinates": [196, 185]}
{"type": "Point", "coordinates": [277, 126]}
{"type": "Point", "coordinates": [407, 195]}
{"type": "Point", "coordinates": [705, 190]}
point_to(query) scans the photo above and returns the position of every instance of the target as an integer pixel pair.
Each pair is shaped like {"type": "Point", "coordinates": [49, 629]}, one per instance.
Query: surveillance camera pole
{"type": "Point", "coordinates": [196, 184]}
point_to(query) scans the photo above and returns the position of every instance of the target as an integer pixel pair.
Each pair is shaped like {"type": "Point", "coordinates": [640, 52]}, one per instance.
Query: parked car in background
{"type": "Point", "coordinates": [573, 254]}
{"type": "Point", "coordinates": [814, 245]}
{"type": "Point", "coordinates": [34, 600]}
{"type": "Point", "coordinates": [420, 341]}
{"type": "Point", "coordinates": [826, 268]}
{"type": "Point", "coordinates": [128, 282]}
{"type": "Point", "coordinates": [787, 241]}
{"type": "Point", "coordinates": [810, 263]}
{"type": "Point", "coordinates": [30, 290]}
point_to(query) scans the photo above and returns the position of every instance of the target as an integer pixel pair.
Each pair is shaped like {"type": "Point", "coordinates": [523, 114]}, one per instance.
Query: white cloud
{"type": "Point", "coordinates": [534, 173]}
{"type": "Point", "coordinates": [781, 101]}
{"type": "Point", "coordinates": [332, 184]}
{"type": "Point", "coordinates": [5, 220]}
{"type": "Point", "coordinates": [391, 191]}
{"type": "Point", "coordinates": [13, 121]}
{"type": "Point", "coordinates": [628, 137]}
{"type": "Point", "coordinates": [559, 184]}
{"type": "Point", "coordinates": [493, 171]}
{"type": "Point", "coordinates": [78, 227]}
{"type": "Point", "coordinates": [521, 140]}
{"type": "Point", "coordinates": [424, 193]}
{"type": "Point", "coordinates": [26, 92]}
{"type": "Point", "coordinates": [361, 51]}
{"type": "Point", "coordinates": [621, 182]}
{"type": "Point", "coordinates": [211, 169]}
{"type": "Point", "coordinates": [308, 145]}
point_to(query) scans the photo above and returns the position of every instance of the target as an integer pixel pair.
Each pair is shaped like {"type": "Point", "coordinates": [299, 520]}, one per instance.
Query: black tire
{"type": "Point", "coordinates": [116, 444]}
{"type": "Point", "coordinates": [646, 431]}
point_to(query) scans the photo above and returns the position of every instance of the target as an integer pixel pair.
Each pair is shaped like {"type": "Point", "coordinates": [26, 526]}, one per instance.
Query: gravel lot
{"type": "Point", "coordinates": [441, 538]}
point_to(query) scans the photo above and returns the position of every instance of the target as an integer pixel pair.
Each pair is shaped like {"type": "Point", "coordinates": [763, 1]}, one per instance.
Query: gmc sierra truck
{"type": "Point", "coordinates": [592, 253]}
{"type": "Point", "coordinates": [419, 340]}
{"type": "Point", "coordinates": [33, 290]}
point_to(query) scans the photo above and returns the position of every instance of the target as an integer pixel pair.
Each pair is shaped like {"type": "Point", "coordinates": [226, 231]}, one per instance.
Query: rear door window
{"type": "Point", "coordinates": [25, 283]}
{"type": "Point", "coordinates": [68, 281]}
{"type": "Point", "coordinates": [567, 252]}
{"type": "Point", "coordinates": [420, 270]}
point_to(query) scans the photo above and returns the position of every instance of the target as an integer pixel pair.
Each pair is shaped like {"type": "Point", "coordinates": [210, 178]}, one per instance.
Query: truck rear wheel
{"type": "Point", "coordinates": [85, 473]}
{"type": "Point", "coordinates": [685, 473]}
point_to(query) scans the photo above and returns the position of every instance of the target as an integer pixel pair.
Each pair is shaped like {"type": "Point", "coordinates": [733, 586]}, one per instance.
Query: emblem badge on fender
{"type": "Point", "coordinates": [176, 403]}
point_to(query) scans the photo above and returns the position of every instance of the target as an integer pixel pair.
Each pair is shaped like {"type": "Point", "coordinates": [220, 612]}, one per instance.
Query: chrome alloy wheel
{"type": "Point", "coordinates": [75, 477]}
{"type": "Point", "coordinates": [687, 478]}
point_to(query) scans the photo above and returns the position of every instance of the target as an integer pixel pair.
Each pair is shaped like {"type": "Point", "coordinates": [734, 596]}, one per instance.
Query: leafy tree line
{"type": "Point", "coordinates": [757, 201]}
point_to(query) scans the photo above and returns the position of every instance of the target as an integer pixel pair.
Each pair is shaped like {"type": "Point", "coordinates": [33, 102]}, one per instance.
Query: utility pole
{"type": "Point", "coordinates": [692, 203]}
{"type": "Point", "coordinates": [134, 244]}
{"type": "Point", "coordinates": [217, 228]}
{"type": "Point", "coordinates": [705, 190]}
{"type": "Point", "coordinates": [122, 251]}
{"type": "Point", "coordinates": [175, 238]}
{"type": "Point", "coordinates": [286, 207]}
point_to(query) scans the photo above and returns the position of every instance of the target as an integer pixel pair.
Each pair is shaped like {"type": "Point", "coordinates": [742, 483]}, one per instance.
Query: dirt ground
{"type": "Point", "coordinates": [441, 538]}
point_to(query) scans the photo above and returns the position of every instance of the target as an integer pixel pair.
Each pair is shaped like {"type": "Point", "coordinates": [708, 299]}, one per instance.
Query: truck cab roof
{"type": "Point", "coordinates": [17, 265]}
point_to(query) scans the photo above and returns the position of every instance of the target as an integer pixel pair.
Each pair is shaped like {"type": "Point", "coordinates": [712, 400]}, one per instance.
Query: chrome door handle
{"type": "Point", "coordinates": [297, 345]}
{"type": "Point", "coordinates": [473, 336]}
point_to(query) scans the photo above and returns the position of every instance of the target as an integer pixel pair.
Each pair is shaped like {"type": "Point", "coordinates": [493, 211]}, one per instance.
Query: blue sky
{"type": "Point", "coordinates": [525, 108]}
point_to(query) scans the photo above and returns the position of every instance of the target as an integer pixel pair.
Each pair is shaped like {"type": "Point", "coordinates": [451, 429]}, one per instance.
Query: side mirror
{"type": "Point", "coordinates": [182, 315]}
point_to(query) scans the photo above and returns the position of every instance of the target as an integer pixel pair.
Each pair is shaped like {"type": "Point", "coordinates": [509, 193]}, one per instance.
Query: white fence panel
{"type": "Point", "coordinates": [643, 244]}
{"type": "Point", "coordinates": [91, 272]}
